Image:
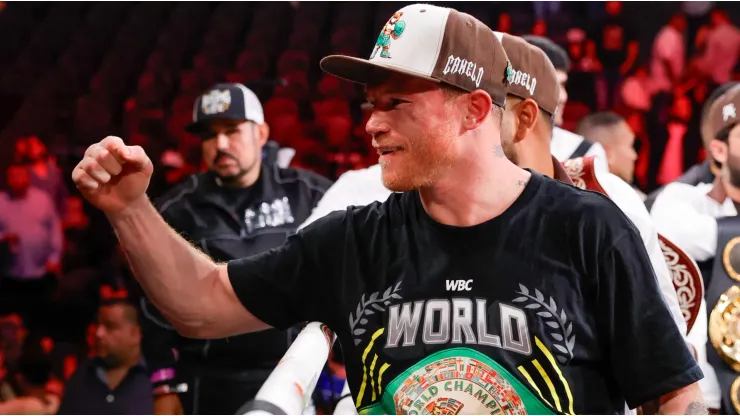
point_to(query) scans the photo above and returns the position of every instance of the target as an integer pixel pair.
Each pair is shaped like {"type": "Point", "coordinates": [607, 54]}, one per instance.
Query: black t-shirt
{"type": "Point", "coordinates": [551, 307]}
{"type": "Point", "coordinates": [239, 199]}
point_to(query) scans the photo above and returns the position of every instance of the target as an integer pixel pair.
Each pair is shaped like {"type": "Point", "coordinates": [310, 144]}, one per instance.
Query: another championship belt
{"type": "Point", "coordinates": [685, 274]}
{"type": "Point", "coordinates": [724, 327]}
{"type": "Point", "coordinates": [723, 291]}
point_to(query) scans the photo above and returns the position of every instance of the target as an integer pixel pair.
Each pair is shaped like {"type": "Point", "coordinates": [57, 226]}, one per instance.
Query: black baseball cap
{"type": "Point", "coordinates": [228, 101]}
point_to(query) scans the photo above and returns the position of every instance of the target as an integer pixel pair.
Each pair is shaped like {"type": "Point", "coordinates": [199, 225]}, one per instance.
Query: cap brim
{"type": "Point", "coordinates": [195, 128]}
{"type": "Point", "coordinates": [200, 127]}
{"type": "Point", "coordinates": [362, 71]}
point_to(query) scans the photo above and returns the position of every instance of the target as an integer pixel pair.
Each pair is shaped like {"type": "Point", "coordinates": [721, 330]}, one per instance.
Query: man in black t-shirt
{"type": "Point", "coordinates": [478, 288]}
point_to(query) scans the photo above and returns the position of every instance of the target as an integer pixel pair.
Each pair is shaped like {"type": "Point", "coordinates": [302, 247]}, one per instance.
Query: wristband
{"type": "Point", "coordinates": [167, 389]}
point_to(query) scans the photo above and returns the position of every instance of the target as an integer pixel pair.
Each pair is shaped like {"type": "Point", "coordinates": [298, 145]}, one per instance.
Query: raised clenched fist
{"type": "Point", "coordinates": [113, 176]}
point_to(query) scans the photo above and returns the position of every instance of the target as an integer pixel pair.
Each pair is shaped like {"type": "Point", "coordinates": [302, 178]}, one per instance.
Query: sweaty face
{"type": "Point", "coordinates": [414, 125]}
{"type": "Point", "coordinates": [231, 148]}
{"type": "Point", "coordinates": [620, 150]}
{"type": "Point", "coordinates": [563, 98]}
{"type": "Point", "coordinates": [116, 335]}
{"type": "Point", "coordinates": [18, 179]}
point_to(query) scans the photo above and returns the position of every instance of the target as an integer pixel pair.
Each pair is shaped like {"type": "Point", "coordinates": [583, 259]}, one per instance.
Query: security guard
{"type": "Point", "coordinates": [240, 207]}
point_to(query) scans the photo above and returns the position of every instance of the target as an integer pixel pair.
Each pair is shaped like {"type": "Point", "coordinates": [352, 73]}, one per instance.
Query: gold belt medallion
{"type": "Point", "coordinates": [735, 394]}
{"type": "Point", "coordinates": [724, 327]}
{"type": "Point", "coordinates": [731, 258]}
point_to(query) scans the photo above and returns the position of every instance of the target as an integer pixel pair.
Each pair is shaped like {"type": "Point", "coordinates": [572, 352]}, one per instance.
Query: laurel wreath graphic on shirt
{"type": "Point", "coordinates": [562, 334]}
{"type": "Point", "coordinates": [375, 303]}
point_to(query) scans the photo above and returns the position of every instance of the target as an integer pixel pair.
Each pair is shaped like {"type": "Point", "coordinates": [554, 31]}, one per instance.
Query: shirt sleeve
{"type": "Point", "coordinates": [629, 202]}
{"type": "Point", "coordinates": [295, 282]}
{"type": "Point", "coordinates": [646, 352]}
{"type": "Point", "coordinates": [676, 218]}
{"type": "Point", "coordinates": [601, 163]}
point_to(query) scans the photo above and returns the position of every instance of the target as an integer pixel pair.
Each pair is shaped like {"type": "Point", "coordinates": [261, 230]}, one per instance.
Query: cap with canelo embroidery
{"type": "Point", "coordinates": [723, 112]}
{"type": "Point", "coordinates": [437, 44]}
{"type": "Point", "coordinates": [534, 75]}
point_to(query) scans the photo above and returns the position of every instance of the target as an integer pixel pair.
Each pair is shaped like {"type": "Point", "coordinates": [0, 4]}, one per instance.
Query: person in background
{"type": "Point", "coordinates": [618, 139]}
{"type": "Point", "coordinates": [722, 49]}
{"type": "Point", "coordinates": [668, 55]}
{"type": "Point", "coordinates": [618, 46]}
{"type": "Point", "coordinates": [32, 234]}
{"type": "Point", "coordinates": [20, 150]}
{"type": "Point", "coordinates": [590, 61]}
{"type": "Point", "coordinates": [46, 175]}
{"type": "Point", "coordinates": [243, 205]}
{"type": "Point", "coordinates": [564, 144]}
{"type": "Point", "coordinates": [35, 394]}
{"type": "Point", "coordinates": [115, 380]}
{"type": "Point", "coordinates": [705, 172]}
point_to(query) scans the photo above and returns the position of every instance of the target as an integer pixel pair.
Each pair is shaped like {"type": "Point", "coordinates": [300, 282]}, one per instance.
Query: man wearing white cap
{"type": "Point", "coordinates": [444, 297]}
{"type": "Point", "coordinates": [243, 205]}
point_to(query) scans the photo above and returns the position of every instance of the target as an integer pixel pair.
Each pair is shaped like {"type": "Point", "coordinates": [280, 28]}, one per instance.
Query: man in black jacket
{"type": "Point", "coordinates": [243, 205]}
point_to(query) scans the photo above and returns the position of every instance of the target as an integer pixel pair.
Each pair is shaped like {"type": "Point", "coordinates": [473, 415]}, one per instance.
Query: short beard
{"type": "Point", "coordinates": [436, 156]}
{"type": "Point", "coordinates": [231, 180]}
{"type": "Point", "coordinates": [734, 175]}
{"type": "Point", "coordinates": [111, 361]}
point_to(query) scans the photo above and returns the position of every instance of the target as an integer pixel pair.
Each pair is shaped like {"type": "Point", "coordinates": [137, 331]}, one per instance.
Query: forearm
{"type": "Point", "coordinates": [683, 407]}
{"type": "Point", "coordinates": [684, 401]}
{"type": "Point", "coordinates": [177, 277]}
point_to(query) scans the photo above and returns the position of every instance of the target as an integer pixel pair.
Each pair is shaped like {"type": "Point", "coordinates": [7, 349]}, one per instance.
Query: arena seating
{"type": "Point", "coordinates": [80, 71]}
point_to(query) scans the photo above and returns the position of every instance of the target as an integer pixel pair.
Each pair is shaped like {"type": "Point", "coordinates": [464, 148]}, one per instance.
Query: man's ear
{"type": "Point", "coordinates": [263, 133]}
{"type": "Point", "coordinates": [479, 107]}
{"type": "Point", "coordinates": [528, 112]}
{"type": "Point", "coordinates": [718, 150]}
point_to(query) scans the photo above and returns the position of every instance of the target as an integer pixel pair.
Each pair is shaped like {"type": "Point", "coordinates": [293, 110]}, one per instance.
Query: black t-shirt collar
{"type": "Point", "coordinates": [485, 228]}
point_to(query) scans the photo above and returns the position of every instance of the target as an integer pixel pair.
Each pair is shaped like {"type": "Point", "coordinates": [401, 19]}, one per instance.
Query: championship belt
{"type": "Point", "coordinates": [685, 274]}
{"type": "Point", "coordinates": [723, 291]}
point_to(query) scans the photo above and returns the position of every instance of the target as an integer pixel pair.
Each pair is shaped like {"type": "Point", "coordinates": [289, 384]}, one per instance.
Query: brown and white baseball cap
{"type": "Point", "coordinates": [724, 111]}
{"type": "Point", "coordinates": [437, 44]}
{"type": "Point", "coordinates": [534, 75]}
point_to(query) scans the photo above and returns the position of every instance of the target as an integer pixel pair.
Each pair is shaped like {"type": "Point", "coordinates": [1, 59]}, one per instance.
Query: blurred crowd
{"type": "Point", "coordinates": [65, 289]}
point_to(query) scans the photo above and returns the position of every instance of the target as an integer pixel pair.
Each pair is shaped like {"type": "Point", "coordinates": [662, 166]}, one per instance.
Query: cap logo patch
{"type": "Point", "coordinates": [728, 112]}
{"type": "Point", "coordinates": [525, 80]}
{"type": "Point", "coordinates": [392, 30]}
{"type": "Point", "coordinates": [215, 102]}
{"type": "Point", "coordinates": [460, 66]}
{"type": "Point", "coordinates": [508, 74]}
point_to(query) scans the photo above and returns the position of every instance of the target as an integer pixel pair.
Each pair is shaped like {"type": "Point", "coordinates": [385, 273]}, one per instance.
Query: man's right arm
{"type": "Point", "coordinates": [190, 289]}
{"type": "Point", "coordinates": [193, 292]}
